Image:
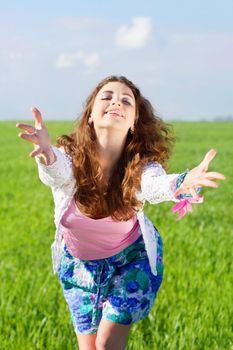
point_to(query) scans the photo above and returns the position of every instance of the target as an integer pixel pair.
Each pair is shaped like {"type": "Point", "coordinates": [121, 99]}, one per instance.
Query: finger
{"type": "Point", "coordinates": [214, 175]}
{"type": "Point", "coordinates": [36, 152]}
{"type": "Point", "coordinates": [29, 137]}
{"type": "Point", "coordinates": [26, 127]}
{"type": "Point", "coordinates": [38, 118]}
{"type": "Point", "coordinates": [207, 159]}
{"type": "Point", "coordinates": [208, 183]}
{"type": "Point", "coordinates": [47, 159]}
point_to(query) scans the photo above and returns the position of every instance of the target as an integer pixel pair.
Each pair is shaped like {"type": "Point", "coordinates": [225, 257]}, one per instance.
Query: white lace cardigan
{"type": "Point", "coordinates": [156, 187]}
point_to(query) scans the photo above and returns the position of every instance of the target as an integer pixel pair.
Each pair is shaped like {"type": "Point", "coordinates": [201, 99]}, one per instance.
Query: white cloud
{"type": "Point", "coordinates": [135, 36]}
{"type": "Point", "coordinates": [68, 60]}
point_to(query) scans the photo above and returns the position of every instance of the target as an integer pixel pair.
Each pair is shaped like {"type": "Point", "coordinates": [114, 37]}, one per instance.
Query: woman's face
{"type": "Point", "coordinates": [114, 107]}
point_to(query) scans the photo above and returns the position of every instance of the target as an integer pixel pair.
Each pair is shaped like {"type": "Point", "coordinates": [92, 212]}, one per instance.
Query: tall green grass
{"type": "Point", "coordinates": [193, 309]}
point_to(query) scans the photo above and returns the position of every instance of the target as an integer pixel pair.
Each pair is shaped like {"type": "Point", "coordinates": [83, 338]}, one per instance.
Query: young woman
{"type": "Point", "coordinates": [107, 253]}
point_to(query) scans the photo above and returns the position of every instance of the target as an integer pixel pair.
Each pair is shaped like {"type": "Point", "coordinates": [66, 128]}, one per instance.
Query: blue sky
{"type": "Point", "coordinates": [179, 53]}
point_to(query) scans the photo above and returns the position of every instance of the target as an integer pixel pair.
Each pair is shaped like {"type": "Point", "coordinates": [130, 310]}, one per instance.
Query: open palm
{"type": "Point", "coordinates": [38, 135]}
{"type": "Point", "coordinates": [199, 176]}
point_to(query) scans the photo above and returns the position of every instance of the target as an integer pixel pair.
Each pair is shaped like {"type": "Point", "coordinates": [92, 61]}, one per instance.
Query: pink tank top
{"type": "Point", "coordinates": [91, 239]}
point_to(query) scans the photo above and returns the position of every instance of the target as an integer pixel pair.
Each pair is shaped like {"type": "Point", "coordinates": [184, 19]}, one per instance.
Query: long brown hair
{"type": "Point", "coordinates": [152, 140]}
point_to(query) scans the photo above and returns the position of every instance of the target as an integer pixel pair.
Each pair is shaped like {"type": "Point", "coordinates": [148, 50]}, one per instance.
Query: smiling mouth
{"type": "Point", "coordinates": [114, 114]}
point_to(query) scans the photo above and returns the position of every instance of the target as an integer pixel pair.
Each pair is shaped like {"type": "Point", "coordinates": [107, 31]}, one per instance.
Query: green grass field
{"type": "Point", "coordinates": [194, 307]}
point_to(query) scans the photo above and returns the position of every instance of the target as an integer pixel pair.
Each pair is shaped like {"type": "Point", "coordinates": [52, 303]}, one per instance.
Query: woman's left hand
{"type": "Point", "coordinates": [198, 177]}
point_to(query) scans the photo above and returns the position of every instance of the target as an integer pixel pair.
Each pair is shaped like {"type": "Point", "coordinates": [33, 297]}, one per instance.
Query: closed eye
{"type": "Point", "coordinates": [126, 102]}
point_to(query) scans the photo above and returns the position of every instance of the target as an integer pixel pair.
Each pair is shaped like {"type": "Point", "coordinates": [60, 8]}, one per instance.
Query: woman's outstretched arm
{"type": "Point", "coordinates": [54, 165]}
{"type": "Point", "coordinates": [157, 186]}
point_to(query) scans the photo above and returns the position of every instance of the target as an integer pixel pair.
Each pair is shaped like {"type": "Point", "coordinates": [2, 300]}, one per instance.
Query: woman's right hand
{"type": "Point", "coordinates": [40, 138]}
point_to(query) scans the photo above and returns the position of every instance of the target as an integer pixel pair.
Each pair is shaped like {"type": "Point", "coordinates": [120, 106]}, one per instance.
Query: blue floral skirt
{"type": "Point", "coordinates": [120, 288]}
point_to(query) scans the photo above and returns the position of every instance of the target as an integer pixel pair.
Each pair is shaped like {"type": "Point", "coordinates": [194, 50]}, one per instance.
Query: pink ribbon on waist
{"type": "Point", "coordinates": [185, 205]}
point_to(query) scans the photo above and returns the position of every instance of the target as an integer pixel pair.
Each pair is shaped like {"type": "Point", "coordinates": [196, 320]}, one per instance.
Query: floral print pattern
{"type": "Point", "coordinates": [120, 288]}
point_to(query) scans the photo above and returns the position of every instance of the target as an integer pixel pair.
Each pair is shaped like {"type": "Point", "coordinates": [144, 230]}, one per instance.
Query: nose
{"type": "Point", "coordinates": [116, 102]}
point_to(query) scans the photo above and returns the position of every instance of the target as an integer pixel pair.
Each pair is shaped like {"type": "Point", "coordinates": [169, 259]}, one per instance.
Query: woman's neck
{"type": "Point", "coordinates": [110, 149]}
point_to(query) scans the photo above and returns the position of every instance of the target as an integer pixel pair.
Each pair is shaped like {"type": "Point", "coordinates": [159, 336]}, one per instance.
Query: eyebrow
{"type": "Point", "coordinates": [111, 92]}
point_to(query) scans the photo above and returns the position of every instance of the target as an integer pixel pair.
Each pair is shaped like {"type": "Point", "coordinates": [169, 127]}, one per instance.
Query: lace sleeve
{"type": "Point", "coordinates": [156, 185]}
{"type": "Point", "coordinates": [58, 173]}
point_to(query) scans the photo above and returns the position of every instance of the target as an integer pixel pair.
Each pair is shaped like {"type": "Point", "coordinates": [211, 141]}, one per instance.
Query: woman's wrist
{"type": "Point", "coordinates": [50, 155]}
{"type": "Point", "coordinates": [182, 184]}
